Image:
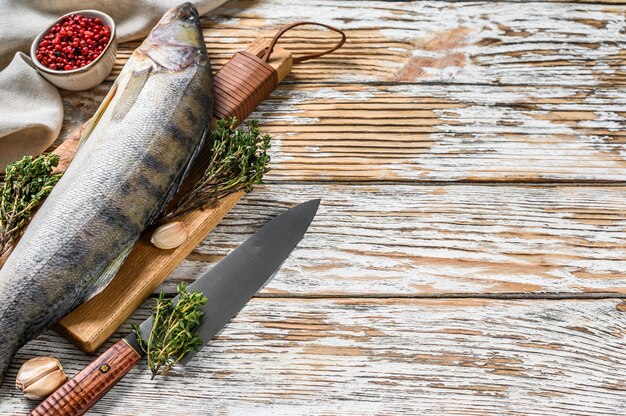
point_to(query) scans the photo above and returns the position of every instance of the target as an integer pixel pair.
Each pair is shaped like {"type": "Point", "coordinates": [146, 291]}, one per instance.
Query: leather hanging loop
{"type": "Point", "coordinates": [297, 60]}
{"type": "Point", "coordinates": [241, 85]}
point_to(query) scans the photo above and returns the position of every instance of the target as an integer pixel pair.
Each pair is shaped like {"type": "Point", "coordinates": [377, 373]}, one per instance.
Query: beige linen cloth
{"type": "Point", "coordinates": [31, 112]}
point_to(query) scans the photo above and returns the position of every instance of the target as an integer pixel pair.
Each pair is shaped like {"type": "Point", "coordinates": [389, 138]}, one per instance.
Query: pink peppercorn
{"type": "Point", "coordinates": [73, 43]}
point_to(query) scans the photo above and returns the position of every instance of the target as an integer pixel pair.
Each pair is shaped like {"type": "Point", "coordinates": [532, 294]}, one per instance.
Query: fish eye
{"type": "Point", "coordinates": [186, 16]}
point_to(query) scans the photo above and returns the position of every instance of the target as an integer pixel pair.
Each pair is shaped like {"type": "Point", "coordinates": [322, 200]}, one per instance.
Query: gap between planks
{"type": "Point", "coordinates": [399, 296]}
{"type": "Point", "coordinates": [539, 182]}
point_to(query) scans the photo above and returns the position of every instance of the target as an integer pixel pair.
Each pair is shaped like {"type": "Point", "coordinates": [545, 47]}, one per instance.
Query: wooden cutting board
{"type": "Point", "coordinates": [92, 323]}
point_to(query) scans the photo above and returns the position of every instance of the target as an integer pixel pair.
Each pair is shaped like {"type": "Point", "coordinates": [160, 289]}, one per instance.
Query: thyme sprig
{"type": "Point", "coordinates": [27, 183]}
{"type": "Point", "coordinates": [239, 159]}
{"type": "Point", "coordinates": [172, 334]}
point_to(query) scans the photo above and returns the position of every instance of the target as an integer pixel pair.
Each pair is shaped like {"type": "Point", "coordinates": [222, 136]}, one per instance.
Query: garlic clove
{"type": "Point", "coordinates": [39, 377]}
{"type": "Point", "coordinates": [36, 368]}
{"type": "Point", "coordinates": [170, 235]}
{"type": "Point", "coordinates": [46, 385]}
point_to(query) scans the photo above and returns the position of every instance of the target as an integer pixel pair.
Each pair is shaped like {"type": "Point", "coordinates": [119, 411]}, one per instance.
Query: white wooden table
{"type": "Point", "coordinates": [469, 256]}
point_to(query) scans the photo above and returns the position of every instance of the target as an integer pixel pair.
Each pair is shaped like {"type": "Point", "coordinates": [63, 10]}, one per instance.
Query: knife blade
{"type": "Point", "coordinates": [228, 286]}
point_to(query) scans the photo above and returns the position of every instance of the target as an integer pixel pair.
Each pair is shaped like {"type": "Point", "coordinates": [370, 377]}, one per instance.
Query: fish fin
{"type": "Point", "coordinates": [130, 92]}
{"type": "Point", "coordinates": [126, 92]}
{"type": "Point", "coordinates": [181, 177]}
{"type": "Point", "coordinates": [93, 122]}
{"type": "Point", "coordinates": [107, 275]}
{"type": "Point", "coordinates": [190, 163]}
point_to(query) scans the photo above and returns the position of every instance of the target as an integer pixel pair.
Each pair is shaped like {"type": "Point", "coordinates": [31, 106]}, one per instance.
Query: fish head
{"type": "Point", "coordinates": [176, 42]}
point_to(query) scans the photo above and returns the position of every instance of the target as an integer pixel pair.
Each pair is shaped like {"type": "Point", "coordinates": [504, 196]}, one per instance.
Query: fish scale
{"type": "Point", "coordinates": [133, 158]}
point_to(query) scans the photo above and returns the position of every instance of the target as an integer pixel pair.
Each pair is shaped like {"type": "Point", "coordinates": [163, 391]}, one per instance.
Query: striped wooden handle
{"type": "Point", "coordinates": [79, 394]}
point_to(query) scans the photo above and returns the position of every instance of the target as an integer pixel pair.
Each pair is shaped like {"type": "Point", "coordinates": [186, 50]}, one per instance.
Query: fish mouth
{"type": "Point", "coordinates": [187, 12]}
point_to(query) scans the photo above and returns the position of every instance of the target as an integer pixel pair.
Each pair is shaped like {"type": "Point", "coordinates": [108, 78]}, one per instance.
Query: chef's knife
{"type": "Point", "coordinates": [228, 286]}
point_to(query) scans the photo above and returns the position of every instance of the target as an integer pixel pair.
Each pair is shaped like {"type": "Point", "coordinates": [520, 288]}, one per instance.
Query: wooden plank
{"type": "Point", "coordinates": [434, 41]}
{"type": "Point", "coordinates": [446, 133]}
{"type": "Point", "coordinates": [386, 356]}
{"type": "Point", "coordinates": [442, 132]}
{"type": "Point", "coordinates": [407, 240]}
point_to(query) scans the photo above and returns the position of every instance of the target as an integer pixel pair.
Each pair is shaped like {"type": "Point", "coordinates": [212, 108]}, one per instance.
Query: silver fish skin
{"type": "Point", "coordinates": [145, 135]}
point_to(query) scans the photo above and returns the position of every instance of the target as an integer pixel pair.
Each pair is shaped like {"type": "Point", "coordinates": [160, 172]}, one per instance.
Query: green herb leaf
{"type": "Point", "coordinates": [27, 183]}
{"type": "Point", "coordinates": [239, 159]}
{"type": "Point", "coordinates": [172, 334]}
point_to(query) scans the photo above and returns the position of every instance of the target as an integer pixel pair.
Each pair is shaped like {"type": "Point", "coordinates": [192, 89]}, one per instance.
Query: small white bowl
{"type": "Point", "coordinates": [88, 76]}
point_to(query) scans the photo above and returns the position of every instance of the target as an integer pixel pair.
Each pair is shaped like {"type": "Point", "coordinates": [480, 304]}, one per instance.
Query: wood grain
{"type": "Point", "coordinates": [408, 240]}
{"type": "Point", "coordinates": [446, 133]}
{"type": "Point", "coordinates": [382, 356]}
{"type": "Point", "coordinates": [434, 41]}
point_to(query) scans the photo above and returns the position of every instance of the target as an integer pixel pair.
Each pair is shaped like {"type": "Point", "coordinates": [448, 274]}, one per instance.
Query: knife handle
{"type": "Point", "coordinates": [80, 393]}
